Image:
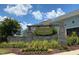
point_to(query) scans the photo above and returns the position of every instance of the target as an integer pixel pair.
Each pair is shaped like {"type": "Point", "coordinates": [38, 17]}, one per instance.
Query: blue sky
{"type": "Point", "coordinates": [35, 13]}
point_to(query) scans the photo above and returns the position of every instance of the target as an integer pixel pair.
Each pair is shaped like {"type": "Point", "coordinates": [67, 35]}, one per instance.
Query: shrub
{"type": "Point", "coordinates": [73, 39]}
{"type": "Point", "coordinates": [4, 45]}
{"type": "Point", "coordinates": [35, 45]}
{"type": "Point", "coordinates": [13, 45]}
{"type": "Point", "coordinates": [69, 41]}
{"type": "Point", "coordinates": [45, 44]}
{"type": "Point", "coordinates": [42, 45]}
{"type": "Point", "coordinates": [54, 44]}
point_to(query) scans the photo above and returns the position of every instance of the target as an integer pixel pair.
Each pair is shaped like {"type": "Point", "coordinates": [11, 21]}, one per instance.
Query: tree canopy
{"type": "Point", "coordinates": [9, 27]}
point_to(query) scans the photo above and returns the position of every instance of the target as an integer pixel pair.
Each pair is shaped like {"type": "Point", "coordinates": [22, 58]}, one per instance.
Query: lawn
{"type": "Point", "coordinates": [4, 51]}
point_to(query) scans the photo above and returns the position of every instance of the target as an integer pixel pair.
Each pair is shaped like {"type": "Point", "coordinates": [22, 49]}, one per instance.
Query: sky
{"type": "Point", "coordinates": [29, 14]}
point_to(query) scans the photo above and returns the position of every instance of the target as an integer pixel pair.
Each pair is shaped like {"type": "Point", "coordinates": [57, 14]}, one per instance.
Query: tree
{"type": "Point", "coordinates": [8, 27]}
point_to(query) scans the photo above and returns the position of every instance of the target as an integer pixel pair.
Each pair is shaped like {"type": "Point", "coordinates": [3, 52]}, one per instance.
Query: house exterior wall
{"type": "Point", "coordinates": [71, 22]}
{"type": "Point", "coordinates": [68, 23]}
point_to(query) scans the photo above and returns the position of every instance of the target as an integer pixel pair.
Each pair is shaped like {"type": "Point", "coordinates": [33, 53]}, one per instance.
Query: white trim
{"type": "Point", "coordinates": [68, 15]}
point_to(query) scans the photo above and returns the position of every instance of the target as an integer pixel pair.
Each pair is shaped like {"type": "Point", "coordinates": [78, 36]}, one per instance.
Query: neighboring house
{"type": "Point", "coordinates": [65, 24]}
{"type": "Point", "coordinates": [70, 22]}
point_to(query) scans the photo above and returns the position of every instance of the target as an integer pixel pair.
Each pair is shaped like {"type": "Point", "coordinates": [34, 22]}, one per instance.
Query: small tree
{"type": "Point", "coordinates": [8, 27]}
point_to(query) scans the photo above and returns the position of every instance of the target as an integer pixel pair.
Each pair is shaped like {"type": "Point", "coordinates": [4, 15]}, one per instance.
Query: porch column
{"type": "Point", "coordinates": [62, 34]}
{"type": "Point", "coordinates": [29, 33]}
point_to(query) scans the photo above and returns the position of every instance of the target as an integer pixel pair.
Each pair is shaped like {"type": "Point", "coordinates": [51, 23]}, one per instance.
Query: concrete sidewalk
{"type": "Point", "coordinates": [74, 52]}
{"type": "Point", "coordinates": [10, 54]}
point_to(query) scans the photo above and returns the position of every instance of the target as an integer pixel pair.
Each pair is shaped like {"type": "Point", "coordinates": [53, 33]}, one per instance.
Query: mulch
{"type": "Point", "coordinates": [19, 52]}
{"type": "Point", "coordinates": [74, 47]}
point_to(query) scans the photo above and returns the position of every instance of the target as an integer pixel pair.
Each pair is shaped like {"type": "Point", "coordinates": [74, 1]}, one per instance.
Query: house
{"type": "Point", "coordinates": [70, 21]}
{"type": "Point", "coordinates": [65, 24]}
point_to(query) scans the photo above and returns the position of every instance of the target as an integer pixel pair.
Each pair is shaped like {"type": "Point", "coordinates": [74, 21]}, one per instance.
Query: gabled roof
{"type": "Point", "coordinates": [63, 17]}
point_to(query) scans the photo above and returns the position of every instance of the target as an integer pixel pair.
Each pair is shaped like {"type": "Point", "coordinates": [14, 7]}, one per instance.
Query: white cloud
{"type": "Point", "coordinates": [18, 10]}
{"type": "Point", "coordinates": [38, 15]}
{"type": "Point", "coordinates": [2, 18]}
{"type": "Point", "coordinates": [24, 25]}
{"type": "Point", "coordinates": [29, 24]}
{"type": "Point", "coordinates": [48, 15]}
{"type": "Point", "coordinates": [53, 13]}
{"type": "Point", "coordinates": [60, 12]}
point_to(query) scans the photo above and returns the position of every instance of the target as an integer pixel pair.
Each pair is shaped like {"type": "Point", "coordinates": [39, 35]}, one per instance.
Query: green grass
{"type": "Point", "coordinates": [4, 51]}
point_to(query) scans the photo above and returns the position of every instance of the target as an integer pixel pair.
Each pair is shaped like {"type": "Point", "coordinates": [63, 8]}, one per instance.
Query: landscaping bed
{"type": "Point", "coordinates": [40, 47]}
{"type": "Point", "coordinates": [18, 51]}
{"type": "Point", "coordinates": [33, 47]}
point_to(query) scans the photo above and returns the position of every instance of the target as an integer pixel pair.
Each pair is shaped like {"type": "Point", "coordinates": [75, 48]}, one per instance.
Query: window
{"type": "Point", "coordinates": [73, 21]}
